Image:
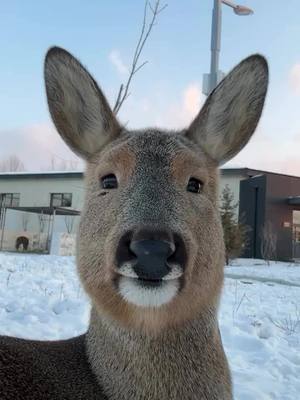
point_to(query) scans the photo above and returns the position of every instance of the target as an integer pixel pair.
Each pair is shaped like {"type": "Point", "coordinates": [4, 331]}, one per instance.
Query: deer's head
{"type": "Point", "coordinates": [150, 243]}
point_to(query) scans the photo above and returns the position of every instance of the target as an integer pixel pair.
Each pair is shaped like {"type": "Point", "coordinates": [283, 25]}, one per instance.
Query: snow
{"type": "Point", "coordinates": [260, 326]}
{"type": "Point", "coordinates": [284, 273]}
{"type": "Point", "coordinates": [41, 298]}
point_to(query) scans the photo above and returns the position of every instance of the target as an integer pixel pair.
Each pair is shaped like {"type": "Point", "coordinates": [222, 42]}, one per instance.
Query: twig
{"type": "Point", "coordinates": [124, 93]}
{"type": "Point", "coordinates": [7, 279]}
{"type": "Point", "coordinates": [119, 94]}
{"type": "Point", "coordinates": [243, 297]}
{"type": "Point", "coordinates": [289, 324]}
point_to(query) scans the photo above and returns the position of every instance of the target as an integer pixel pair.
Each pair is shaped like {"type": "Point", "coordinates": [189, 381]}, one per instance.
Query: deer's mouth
{"type": "Point", "coordinates": [150, 282]}
{"type": "Point", "coordinates": [148, 292]}
{"type": "Point", "coordinates": [126, 270]}
{"type": "Point", "coordinates": [149, 267]}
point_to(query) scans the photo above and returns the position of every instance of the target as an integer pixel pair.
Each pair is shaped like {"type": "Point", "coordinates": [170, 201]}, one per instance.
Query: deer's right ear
{"type": "Point", "coordinates": [231, 112]}
{"type": "Point", "coordinates": [78, 108]}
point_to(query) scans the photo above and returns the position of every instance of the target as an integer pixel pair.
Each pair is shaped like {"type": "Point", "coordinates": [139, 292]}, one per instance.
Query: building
{"type": "Point", "coordinates": [31, 201]}
{"type": "Point", "coordinates": [40, 206]}
{"type": "Point", "coordinates": [269, 204]}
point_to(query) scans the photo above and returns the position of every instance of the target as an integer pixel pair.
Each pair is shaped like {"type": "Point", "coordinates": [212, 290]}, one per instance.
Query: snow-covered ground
{"type": "Point", "coordinates": [40, 297]}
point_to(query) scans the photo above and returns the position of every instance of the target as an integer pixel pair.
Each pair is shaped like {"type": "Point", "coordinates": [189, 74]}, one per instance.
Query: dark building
{"type": "Point", "coordinates": [270, 202]}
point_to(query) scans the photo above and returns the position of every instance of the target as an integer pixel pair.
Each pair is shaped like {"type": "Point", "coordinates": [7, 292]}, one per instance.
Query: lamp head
{"type": "Point", "coordinates": [242, 10]}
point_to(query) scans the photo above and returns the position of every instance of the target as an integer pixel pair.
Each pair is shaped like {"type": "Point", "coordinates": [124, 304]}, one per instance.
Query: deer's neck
{"type": "Point", "coordinates": [186, 363]}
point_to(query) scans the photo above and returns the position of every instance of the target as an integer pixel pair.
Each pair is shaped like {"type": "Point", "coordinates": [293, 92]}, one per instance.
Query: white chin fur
{"type": "Point", "coordinates": [142, 296]}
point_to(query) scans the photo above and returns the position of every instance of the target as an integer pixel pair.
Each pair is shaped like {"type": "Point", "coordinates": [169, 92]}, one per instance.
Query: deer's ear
{"type": "Point", "coordinates": [78, 108]}
{"type": "Point", "coordinates": [232, 111]}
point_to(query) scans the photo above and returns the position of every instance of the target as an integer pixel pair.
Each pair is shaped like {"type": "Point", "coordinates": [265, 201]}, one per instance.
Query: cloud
{"type": "Point", "coordinates": [294, 78]}
{"type": "Point", "coordinates": [115, 58]}
{"type": "Point", "coordinates": [192, 100]}
{"type": "Point", "coordinates": [265, 153]}
{"type": "Point", "coordinates": [161, 110]}
{"type": "Point", "coordinates": [180, 114]}
{"type": "Point", "coordinates": [36, 145]}
{"type": "Point", "coordinates": [269, 149]}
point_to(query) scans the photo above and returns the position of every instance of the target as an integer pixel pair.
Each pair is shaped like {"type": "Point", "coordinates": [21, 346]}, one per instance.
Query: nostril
{"type": "Point", "coordinates": [176, 246]}
{"type": "Point", "coordinates": [172, 248]}
{"type": "Point", "coordinates": [127, 244]}
{"type": "Point", "coordinates": [124, 253]}
{"type": "Point", "coordinates": [179, 256]}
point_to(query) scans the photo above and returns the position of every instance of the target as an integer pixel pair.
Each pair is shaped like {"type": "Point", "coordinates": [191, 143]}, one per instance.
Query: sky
{"type": "Point", "coordinates": [167, 92]}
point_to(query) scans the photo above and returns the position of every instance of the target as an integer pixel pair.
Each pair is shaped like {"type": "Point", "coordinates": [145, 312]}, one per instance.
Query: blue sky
{"type": "Point", "coordinates": [167, 91]}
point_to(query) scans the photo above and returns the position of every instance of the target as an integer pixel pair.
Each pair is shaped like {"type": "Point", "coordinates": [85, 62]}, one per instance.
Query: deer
{"type": "Point", "coordinates": [150, 248]}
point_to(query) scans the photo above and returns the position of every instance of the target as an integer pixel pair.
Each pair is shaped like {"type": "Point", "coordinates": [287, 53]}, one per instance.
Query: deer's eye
{"type": "Point", "coordinates": [109, 182]}
{"type": "Point", "coordinates": [194, 185]}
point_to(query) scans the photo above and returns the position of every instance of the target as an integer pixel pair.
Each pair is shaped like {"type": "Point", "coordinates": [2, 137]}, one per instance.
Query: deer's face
{"type": "Point", "coordinates": [150, 235]}
{"type": "Point", "coordinates": [150, 247]}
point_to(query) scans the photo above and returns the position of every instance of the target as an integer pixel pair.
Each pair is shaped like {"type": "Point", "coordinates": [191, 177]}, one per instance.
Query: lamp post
{"type": "Point", "coordinates": [211, 80]}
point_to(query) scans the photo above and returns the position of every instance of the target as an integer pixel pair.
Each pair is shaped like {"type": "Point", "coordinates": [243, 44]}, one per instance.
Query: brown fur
{"type": "Point", "coordinates": [33, 370]}
{"type": "Point", "coordinates": [174, 350]}
{"type": "Point", "coordinates": [22, 241]}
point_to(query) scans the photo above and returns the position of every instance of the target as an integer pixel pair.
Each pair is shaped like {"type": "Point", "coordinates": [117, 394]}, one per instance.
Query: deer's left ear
{"type": "Point", "coordinates": [232, 111]}
{"type": "Point", "coordinates": [78, 107]}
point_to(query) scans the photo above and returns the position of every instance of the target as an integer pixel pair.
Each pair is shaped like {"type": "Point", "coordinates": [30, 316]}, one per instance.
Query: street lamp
{"type": "Point", "coordinates": [211, 80]}
{"type": "Point", "coordinates": [238, 9]}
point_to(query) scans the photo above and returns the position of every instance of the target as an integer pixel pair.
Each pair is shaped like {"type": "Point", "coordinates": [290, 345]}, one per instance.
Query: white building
{"type": "Point", "coordinates": [30, 200]}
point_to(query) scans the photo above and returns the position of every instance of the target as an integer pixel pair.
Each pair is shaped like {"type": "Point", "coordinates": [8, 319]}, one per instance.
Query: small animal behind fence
{"type": "Point", "coordinates": [22, 242]}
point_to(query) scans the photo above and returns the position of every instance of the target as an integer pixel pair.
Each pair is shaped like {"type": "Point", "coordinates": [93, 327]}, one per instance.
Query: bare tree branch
{"type": "Point", "coordinates": [142, 32]}
{"type": "Point", "coordinates": [12, 164]}
{"type": "Point", "coordinates": [25, 221]}
{"type": "Point", "coordinates": [159, 10]}
{"type": "Point", "coordinates": [141, 66]}
{"type": "Point", "coordinates": [60, 164]}
{"type": "Point", "coordinates": [119, 94]}
{"type": "Point", "coordinates": [268, 244]}
{"type": "Point", "coordinates": [144, 35]}
{"type": "Point", "coordinates": [42, 219]}
{"type": "Point", "coordinates": [69, 222]}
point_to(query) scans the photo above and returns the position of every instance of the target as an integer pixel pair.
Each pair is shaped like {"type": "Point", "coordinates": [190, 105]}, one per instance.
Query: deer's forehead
{"type": "Point", "coordinates": [163, 152]}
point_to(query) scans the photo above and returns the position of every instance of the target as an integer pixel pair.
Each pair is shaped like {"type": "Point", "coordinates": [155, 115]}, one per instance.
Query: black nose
{"type": "Point", "coordinates": [151, 258]}
{"type": "Point", "coordinates": [151, 254]}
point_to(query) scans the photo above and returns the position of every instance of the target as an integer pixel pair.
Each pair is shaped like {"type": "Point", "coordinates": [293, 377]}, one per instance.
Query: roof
{"type": "Point", "coordinates": [247, 172]}
{"type": "Point", "coordinates": [294, 200]}
{"type": "Point", "coordinates": [47, 210]}
{"type": "Point", "coordinates": [41, 175]}
{"type": "Point", "coordinates": [239, 171]}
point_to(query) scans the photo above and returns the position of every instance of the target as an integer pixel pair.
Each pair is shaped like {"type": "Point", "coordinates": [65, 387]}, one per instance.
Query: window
{"type": "Point", "coordinates": [61, 200]}
{"type": "Point", "coordinates": [297, 234]}
{"type": "Point", "coordinates": [9, 199]}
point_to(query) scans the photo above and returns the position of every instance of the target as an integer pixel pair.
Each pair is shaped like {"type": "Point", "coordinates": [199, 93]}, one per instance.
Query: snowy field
{"type": "Point", "coordinates": [40, 297]}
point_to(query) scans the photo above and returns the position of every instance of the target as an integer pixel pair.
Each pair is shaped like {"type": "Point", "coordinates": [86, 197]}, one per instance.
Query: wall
{"type": "Point", "coordinates": [252, 212]}
{"type": "Point", "coordinates": [279, 188]}
{"type": "Point", "coordinates": [264, 200]}
{"type": "Point", "coordinates": [35, 190]}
